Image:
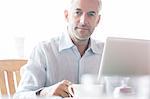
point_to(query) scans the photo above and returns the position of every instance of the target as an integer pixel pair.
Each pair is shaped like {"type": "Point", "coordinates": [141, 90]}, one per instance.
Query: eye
{"type": "Point", "coordinates": [78, 13]}
{"type": "Point", "coordinates": [91, 14]}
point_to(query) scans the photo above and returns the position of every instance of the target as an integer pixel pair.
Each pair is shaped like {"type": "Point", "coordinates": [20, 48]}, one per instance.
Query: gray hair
{"type": "Point", "coordinates": [99, 3]}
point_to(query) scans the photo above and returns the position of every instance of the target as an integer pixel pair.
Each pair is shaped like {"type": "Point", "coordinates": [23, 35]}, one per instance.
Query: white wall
{"type": "Point", "coordinates": [130, 18]}
{"type": "Point", "coordinates": [37, 20]}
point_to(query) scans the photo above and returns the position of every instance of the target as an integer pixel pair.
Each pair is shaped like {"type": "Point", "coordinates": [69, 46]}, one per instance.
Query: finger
{"type": "Point", "coordinates": [71, 90]}
{"type": "Point", "coordinates": [66, 89]}
{"type": "Point", "coordinates": [63, 94]}
{"type": "Point", "coordinates": [62, 90]}
{"type": "Point", "coordinates": [66, 82]}
{"type": "Point", "coordinates": [63, 87]}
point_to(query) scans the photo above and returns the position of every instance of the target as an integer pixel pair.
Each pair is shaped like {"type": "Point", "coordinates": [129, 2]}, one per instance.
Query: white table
{"type": "Point", "coordinates": [106, 98]}
{"type": "Point", "coordinates": [80, 98]}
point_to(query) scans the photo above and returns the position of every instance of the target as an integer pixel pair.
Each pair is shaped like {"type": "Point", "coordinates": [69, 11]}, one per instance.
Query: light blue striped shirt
{"type": "Point", "coordinates": [56, 60]}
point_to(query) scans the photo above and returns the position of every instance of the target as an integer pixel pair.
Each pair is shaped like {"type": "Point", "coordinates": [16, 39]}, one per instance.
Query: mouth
{"type": "Point", "coordinates": [82, 28]}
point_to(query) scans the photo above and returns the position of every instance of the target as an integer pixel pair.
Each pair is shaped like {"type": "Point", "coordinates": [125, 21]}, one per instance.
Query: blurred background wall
{"type": "Point", "coordinates": [23, 23]}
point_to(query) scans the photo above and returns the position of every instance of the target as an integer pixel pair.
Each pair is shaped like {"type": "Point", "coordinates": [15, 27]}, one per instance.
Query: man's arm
{"type": "Point", "coordinates": [33, 79]}
{"type": "Point", "coordinates": [60, 89]}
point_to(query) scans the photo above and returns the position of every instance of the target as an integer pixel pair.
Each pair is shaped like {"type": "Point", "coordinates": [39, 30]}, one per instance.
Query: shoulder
{"type": "Point", "coordinates": [98, 43]}
{"type": "Point", "coordinates": [50, 42]}
{"type": "Point", "coordinates": [97, 46]}
{"type": "Point", "coordinates": [48, 45]}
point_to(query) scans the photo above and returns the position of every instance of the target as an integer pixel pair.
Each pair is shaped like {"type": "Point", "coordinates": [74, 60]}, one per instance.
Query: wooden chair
{"type": "Point", "coordinates": [10, 75]}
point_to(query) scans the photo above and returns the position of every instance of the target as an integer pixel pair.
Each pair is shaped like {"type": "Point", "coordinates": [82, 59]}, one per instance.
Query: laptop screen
{"type": "Point", "coordinates": [125, 57]}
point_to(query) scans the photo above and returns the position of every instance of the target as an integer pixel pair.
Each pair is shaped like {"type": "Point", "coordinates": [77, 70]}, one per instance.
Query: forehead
{"type": "Point", "coordinates": [85, 5]}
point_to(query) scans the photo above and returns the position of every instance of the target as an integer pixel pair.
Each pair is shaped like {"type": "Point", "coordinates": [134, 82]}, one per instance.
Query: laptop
{"type": "Point", "coordinates": [125, 57]}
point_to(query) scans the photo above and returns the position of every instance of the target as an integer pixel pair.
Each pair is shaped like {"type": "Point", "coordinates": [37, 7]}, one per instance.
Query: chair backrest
{"type": "Point", "coordinates": [10, 75]}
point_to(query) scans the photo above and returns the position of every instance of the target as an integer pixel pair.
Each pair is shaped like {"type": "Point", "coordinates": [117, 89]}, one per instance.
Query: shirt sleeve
{"type": "Point", "coordinates": [33, 75]}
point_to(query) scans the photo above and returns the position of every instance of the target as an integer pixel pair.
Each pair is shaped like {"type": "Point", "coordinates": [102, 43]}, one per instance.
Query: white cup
{"type": "Point", "coordinates": [91, 90]}
{"type": "Point", "coordinates": [111, 82]}
{"type": "Point", "coordinates": [143, 86]}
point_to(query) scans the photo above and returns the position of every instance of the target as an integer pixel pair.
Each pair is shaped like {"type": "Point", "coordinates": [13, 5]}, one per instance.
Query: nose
{"type": "Point", "coordinates": [83, 19]}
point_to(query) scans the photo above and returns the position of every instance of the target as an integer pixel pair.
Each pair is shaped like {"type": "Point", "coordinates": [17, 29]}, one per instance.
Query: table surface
{"type": "Point", "coordinates": [79, 98]}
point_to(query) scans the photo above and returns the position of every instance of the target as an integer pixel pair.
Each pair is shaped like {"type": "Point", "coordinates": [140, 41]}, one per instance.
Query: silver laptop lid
{"type": "Point", "coordinates": [125, 57]}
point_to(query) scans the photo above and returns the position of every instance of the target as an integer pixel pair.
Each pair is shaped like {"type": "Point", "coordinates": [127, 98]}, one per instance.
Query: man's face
{"type": "Point", "coordinates": [82, 18]}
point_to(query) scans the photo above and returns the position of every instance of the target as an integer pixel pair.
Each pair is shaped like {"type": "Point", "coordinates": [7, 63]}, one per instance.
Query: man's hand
{"type": "Point", "coordinates": [60, 89]}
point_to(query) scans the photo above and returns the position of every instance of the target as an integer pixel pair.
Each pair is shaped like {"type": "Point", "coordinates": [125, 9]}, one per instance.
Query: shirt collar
{"type": "Point", "coordinates": [94, 46]}
{"type": "Point", "coordinates": [65, 43]}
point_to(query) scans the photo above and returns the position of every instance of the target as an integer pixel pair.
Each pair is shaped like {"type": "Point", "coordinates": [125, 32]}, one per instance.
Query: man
{"type": "Point", "coordinates": [57, 63]}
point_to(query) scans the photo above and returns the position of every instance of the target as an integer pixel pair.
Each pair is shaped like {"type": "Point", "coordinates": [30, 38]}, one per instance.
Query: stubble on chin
{"type": "Point", "coordinates": [78, 40]}
{"type": "Point", "coordinates": [77, 37]}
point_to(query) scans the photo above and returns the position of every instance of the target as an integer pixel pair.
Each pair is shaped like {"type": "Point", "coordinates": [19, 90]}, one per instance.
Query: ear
{"type": "Point", "coordinates": [98, 20]}
{"type": "Point", "coordinates": [66, 15]}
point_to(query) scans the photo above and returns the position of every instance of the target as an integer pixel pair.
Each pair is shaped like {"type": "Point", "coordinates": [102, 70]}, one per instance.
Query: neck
{"type": "Point", "coordinates": [82, 45]}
